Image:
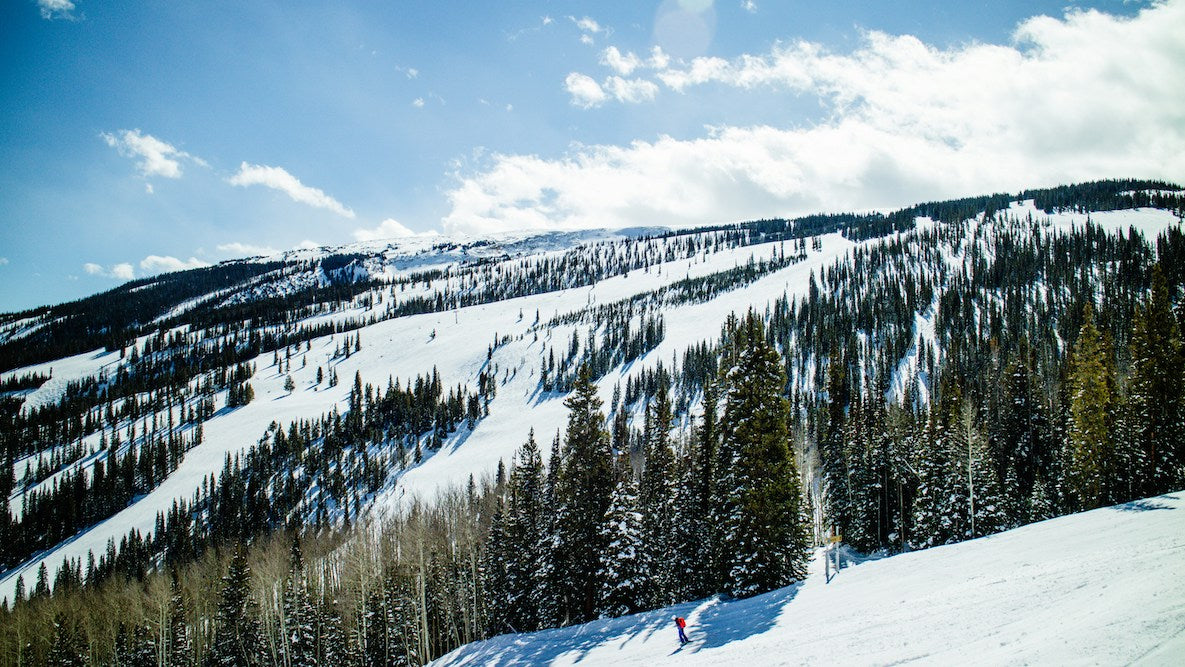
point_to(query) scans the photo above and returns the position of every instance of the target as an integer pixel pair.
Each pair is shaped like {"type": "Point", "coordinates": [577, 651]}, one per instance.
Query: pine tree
{"type": "Point", "coordinates": [838, 497]}
{"type": "Point", "coordinates": [932, 510]}
{"type": "Point", "coordinates": [621, 569]}
{"type": "Point", "coordinates": [41, 588]}
{"type": "Point", "coordinates": [767, 542]}
{"type": "Point", "coordinates": [584, 487]}
{"type": "Point", "coordinates": [67, 648]}
{"type": "Point", "coordinates": [1091, 473]}
{"type": "Point", "coordinates": [495, 561]}
{"type": "Point", "coordinates": [656, 501]}
{"type": "Point", "coordinates": [693, 535]}
{"type": "Point", "coordinates": [1022, 446]}
{"type": "Point", "coordinates": [525, 530]}
{"type": "Point", "coordinates": [237, 639]}
{"type": "Point", "coordinates": [1155, 412]}
{"type": "Point", "coordinates": [180, 647]}
{"type": "Point", "coordinates": [299, 617]}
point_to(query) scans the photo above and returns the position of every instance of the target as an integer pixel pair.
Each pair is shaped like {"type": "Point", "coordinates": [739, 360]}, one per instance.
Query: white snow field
{"type": "Point", "coordinates": [1103, 587]}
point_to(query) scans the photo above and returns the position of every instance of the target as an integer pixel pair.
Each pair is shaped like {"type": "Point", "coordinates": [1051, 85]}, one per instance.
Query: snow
{"type": "Point", "coordinates": [63, 372]}
{"type": "Point", "coordinates": [456, 344]}
{"type": "Point", "coordinates": [1103, 587]}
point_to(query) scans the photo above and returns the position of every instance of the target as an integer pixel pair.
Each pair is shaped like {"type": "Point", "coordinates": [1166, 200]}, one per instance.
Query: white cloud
{"type": "Point", "coordinates": [156, 157]}
{"type": "Point", "coordinates": [278, 178]}
{"type": "Point", "coordinates": [387, 229]}
{"type": "Point", "coordinates": [547, 20]}
{"type": "Point", "coordinates": [123, 271]}
{"type": "Point", "coordinates": [3, 261]}
{"type": "Point", "coordinates": [418, 103]}
{"type": "Point", "coordinates": [1085, 96]}
{"type": "Point", "coordinates": [148, 188]}
{"type": "Point", "coordinates": [588, 27]}
{"type": "Point", "coordinates": [623, 64]}
{"type": "Point", "coordinates": [154, 264]}
{"type": "Point", "coordinates": [237, 249]}
{"type": "Point", "coordinates": [749, 6]}
{"type": "Point", "coordinates": [630, 90]}
{"type": "Point", "coordinates": [56, 9]}
{"type": "Point", "coordinates": [586, 24]}
{"type": "Point", "coordinates": [585, 91]}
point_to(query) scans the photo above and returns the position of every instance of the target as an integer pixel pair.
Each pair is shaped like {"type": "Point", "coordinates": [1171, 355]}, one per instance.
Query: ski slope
{"type": "Point", "coordinates": [1102, 587]}
{"type": "Point", "coordinates": [457, 343]}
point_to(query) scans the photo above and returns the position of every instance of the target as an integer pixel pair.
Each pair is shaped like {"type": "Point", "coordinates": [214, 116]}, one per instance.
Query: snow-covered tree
{"type": "Point", "coordinates": [237, 639]}
{"type": "Point", "coordinates": [656, 500]}
{"type": "Point", "coordinates": [584, 486]}
{"type": "Point", "coordinates": [767, 542]}
{"type": "Point", "coordinates": [624, 579]}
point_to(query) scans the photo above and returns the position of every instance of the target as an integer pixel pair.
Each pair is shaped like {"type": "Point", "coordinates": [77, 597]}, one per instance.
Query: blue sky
{"type": "Point", "coordinates": [140, 137]}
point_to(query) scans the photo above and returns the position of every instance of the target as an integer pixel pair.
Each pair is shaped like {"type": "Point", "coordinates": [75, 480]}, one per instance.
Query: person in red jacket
{"type": "Point", "coordinates": [681, 623]}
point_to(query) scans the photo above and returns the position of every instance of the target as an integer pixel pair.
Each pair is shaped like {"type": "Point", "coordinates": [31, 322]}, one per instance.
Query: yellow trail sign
{"type": "Point", "coordinates": [835, 539]}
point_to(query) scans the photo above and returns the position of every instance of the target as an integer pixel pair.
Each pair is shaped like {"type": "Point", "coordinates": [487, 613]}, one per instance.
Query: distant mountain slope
{"type": "Point", "coordinates": [149, 377]}
{"type": "Point", "coordinates": [1103, 587]}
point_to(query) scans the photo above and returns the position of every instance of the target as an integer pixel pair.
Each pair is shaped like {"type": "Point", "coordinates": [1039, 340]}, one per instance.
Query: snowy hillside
{"type": "Point", "coordinates": [518, 311]}
{"type": "Point", "coordinates": [1103, 587]}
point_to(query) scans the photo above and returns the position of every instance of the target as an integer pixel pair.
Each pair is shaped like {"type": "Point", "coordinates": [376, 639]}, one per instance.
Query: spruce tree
{"type": "Point", "coordinates": [237, 639]}
{"type": "Point", "coordinates": [67, 648]}
{"type": "Point", "coordinates": [656, 501]}
{"type": "Point", "coordinates": [180, 646]}
{"type": "Point", "coordinates": [621, 570]}
{"type": "Point", "coordinates": [1155, 410]}
{"type": "Point", "coordinates": [525, 530]}
{"type": "Point", "coordinates": [299, 617]}
{"type": "Point", "coordinates": [584, 486]}
{"type": "Point", "coordinates": [1091, 474]}
{"type": "Point", "coordinates": [767, 543]}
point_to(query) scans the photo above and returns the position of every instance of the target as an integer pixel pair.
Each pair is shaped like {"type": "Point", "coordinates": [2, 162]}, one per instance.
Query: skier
{"type": "Point", "coordinates": [680, 623]}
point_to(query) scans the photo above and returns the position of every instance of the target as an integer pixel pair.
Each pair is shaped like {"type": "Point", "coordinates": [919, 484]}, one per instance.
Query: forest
{"type": "Point", "coordinates": [1051, 384]}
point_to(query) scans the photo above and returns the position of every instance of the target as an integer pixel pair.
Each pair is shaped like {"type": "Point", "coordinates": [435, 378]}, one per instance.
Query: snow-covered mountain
{"type": "Point", "coordinates": [1102, 587]}
{"type": "Point", "coordinates": [505, 318]}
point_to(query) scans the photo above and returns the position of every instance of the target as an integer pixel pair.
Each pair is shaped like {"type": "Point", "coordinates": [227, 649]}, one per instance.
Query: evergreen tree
{"type": "Point", "coordinates": [180, 646]}
{"type": "Point", "coordinates": [41, 588]}
{"type": "Point", "coordinates": [67, 649]}
{"type": "Point", "coordinates": [1091, 473]}
{"type": "Point", "coordinates": [767, 542]}
{"type": "Point", "coordinates": [525, 531]}
{"type": "Point", "coordinates": [551, 607]}
{"type": "Point", "coordinates": [1155, 410]}
{"type": "Point", "coordinates": [584, 487]}
{"type": "Point", "coordinates": [621, 569]}
{"type": "Point", "coordinates": [657, 504]}
{"type": "Point", "coordinates": [837, 485]}
{"type": "Point", "coordinates": [496, 560]}
{"type": "Point", "coordinates": [237, 640]}
{"type": "Point", "coordinates": [299, 618]}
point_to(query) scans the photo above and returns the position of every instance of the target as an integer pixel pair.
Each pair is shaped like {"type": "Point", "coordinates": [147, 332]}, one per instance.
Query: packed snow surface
{"type": "Point", "coordinates": [1102, 587]}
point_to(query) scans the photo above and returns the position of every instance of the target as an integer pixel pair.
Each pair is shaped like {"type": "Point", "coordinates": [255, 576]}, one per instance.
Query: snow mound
{"type": "Point", "coordinates": [1101, 587]}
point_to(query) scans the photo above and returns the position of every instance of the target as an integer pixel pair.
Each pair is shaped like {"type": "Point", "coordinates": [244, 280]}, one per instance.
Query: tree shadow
{"type": "Point", "coordinates": [1146, 505]}
{"type": "Point", "coordinates": [720, 622]}
{"type": "Point", "coordinates": [711, 623]}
